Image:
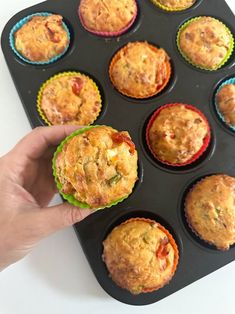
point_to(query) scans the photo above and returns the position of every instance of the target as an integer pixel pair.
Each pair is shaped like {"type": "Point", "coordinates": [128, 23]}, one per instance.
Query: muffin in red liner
{"type": "Point", "coordinates": [107, 18]}
{"type": "Point", "coordinates": [178, 134]}
{"type": "Point", "coordinates": [141, 255]}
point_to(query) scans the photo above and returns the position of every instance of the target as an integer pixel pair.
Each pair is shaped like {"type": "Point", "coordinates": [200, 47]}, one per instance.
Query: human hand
{"type": "Point", "coordinates": [26, 187]}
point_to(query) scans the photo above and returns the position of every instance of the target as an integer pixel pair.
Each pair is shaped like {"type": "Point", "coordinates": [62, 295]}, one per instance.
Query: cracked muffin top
{"type": "Point", "coordinates": [206, 42]}
{"type": "Point", "coordinates": [107, 16]}
{"type": "Point", "coordinates": [176, 4]}
{"type": "Point", "coordinates": [177, 133]}
{"type": "Point", "coordinates": [42, 38]}
{"type": "Point", "coordinates": [140, 70]}
{"type": "Point", "coordinates": [226, 103]}
{"type": "Point", "coordinates": [70, 99]}
{"type": "Point", "coordinates": [98, 166]}
{"type": "Point", "coordinates": [141, 255]}
{"type": "Point", "coordinates": [210, 210]}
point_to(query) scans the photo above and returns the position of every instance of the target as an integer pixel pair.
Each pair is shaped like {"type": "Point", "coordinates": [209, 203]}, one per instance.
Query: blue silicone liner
{"type": "Point", "coordinates": [229, 81]}
{"type": "Point", "coordinates": [19, 24]}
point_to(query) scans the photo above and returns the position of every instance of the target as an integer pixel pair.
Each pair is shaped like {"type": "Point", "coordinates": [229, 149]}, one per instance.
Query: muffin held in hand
{"type": "Point", "coordinates": [107, 18]}
{"type": "Point", "coordinates": [69, 98]}
{"type": "Point", "coordinates": [42, 38]}
{"type": "Point", "coordinates": [141, 255]}
{"type": "Point", "coordinates": [177, 134]}
{"type": "Point", "coordinates": [174, 5]}
{"type": "Point", "coordinates": [140, 70]}
{"type": "Point", "coordinates": [96, 167]}
{"type": "Point", "coordinates": [225, 100]}
{"type": "Point", "coordinates": [210, 210]}
{"type": "Point", "coordinates": [205, 42]}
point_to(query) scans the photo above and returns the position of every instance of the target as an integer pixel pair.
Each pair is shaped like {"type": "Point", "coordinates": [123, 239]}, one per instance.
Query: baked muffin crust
{"type": "Point", "coordinates": [42, 38]}
{"type": "Point", "coordinates": [107, 16]}
{"type": "Point", "coordinates": [140, 256]}
{"type": "Point", "coordinates": [177, 4]}
{"type": "Point", "coordinates": [70, 99]}
{"type": "Point", "coordinates": [140, 70]}
{"type": "Point", "coordinates": [210, 210]}
{"type": "Point", "coordinates": [226, 103]}
{"type": "Point", "coordinates": [177, 134]}
{"type": "Point", "coordinates": [205, 41]}
{"type": "Point", "coordinates": [98, 166]}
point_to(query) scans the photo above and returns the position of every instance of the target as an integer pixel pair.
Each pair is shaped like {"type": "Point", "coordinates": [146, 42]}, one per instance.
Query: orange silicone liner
{"type": "Point", "coordinates": [108, 34]}
{"type": "Point", "coordinates": [206, 140]}
{"type": "Point", "coordinates": [158, 89]}
{"type": "Point", "coordinates": [172, 242]}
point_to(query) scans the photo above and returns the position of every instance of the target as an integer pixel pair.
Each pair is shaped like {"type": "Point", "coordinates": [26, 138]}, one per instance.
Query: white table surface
{"type": "Point", "coordinates": [55, 278]}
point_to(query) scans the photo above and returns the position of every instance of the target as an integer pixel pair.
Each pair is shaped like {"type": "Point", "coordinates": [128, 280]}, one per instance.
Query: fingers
{"type": "Point", "coordinates": [37, 142]}
{"type": "Point", "coordinates": [54, 218]}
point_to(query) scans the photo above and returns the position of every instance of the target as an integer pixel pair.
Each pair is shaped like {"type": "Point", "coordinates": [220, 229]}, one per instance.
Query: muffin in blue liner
{"type": "Point", "coordinates": [57, 39]}
{"type": "Point", "coordinates": [225, 102]}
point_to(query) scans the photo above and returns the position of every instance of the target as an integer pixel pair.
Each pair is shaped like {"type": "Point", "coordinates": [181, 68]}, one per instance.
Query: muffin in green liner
{"type": "Point", "coordinates": [174, 5]}
{"type": "Point", "coordinates": [96, 167]}
{"type": "Point", "coordinates": [205, 42]}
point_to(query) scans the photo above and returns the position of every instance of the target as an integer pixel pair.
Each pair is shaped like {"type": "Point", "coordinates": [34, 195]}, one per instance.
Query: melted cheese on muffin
{"type": "Point", "coordinates": [71, 99]}
{"type": "Point", "coordinates": [139, 69]}
{"type": "Point", "coordinates": [177, 134]}
{"type": "Point", "coordinates": [42, 38]}
{"type": "Point", "coordinates": [98, 166]}
{"type": "Point", "coordinates": [177, 4]}
{"type": "Point", "coordinates": [226, 103]}
{"type": "Point", "coordinates": [139, 256]}
{"type": "Point", "coordinates": [106, 15]}
{"type": "Point", "coordinates": [210, 210]}
{"type": "Point", "coordinates": [206, 42]}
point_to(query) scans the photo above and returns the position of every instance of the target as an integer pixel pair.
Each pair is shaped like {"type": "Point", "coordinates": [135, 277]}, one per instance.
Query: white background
{"type": "Point", "coordinates": [55, 278]}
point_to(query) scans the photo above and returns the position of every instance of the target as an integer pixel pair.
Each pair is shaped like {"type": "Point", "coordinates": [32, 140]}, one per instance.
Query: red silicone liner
{"type": "Point", "coordinates": [206, 140]}
{"type": "Point", "coordinates": [108, 34]}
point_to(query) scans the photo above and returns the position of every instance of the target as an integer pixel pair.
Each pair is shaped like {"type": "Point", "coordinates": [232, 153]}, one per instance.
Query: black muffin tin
{"type": "Point", "coordinates": [160, 192]}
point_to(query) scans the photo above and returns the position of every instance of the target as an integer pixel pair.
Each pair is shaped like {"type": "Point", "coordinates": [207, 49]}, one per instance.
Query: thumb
{"type": "Point", "coordinates": [60, 216]}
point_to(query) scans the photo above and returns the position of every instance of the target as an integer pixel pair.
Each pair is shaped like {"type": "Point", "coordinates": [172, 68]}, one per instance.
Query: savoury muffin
{"type": "Point", "coordinates": [107, 18]}
{"type": "Point", "coordinates": [205, 42]}
{"type": "Point", "coordinates": [141, 255]}
{"type": "Point", "coordinates": [69, 98]}
{"type": "Point", "coordinates": [42, 38]}
{"type": "Point", "coordinates": [96, 167]}
{"type": "Point", "coordinates": [174, 5]}
{"type": "Point", "coordinates": [140, 70]}
{"type": "Point", "coordinates": [177, 134]}
{"type": "Point", "coordinates": [210, 210]}
{"type": "Point", "coordinates": [225, 100]}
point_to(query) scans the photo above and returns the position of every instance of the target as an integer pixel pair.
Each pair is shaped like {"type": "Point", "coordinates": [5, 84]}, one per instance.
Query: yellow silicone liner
{"type": "Point", "coordinates": [228, 55]}
{"type": "Point", "coordinates": [55, 77]}
{"type": "Point", "coordinates": [168, 9]}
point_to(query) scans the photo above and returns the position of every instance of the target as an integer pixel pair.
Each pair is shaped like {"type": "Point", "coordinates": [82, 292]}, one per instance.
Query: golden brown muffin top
{"type": "Point", "coordinates": [42, 38]}
{"type": "Point", "coordinates": [177, 4]}
{"type": "Point", "coordinates": [205, 41]}
{"type": "Point", "coordinates": [139, 256]}
{"type": "Point", "coordinates": [210, 210]}
{"type": "Point", "coordinates": [98, 166]}
{"type": "Point", "coordinates": [139, 69]}
{"type": "Point", "coordinates": [226, 103]}
{"type": "Point", "coordinates": [106, 15]}
{"type": "Point", "coordinates": [177, 134]}
{"type": "Point", "coordinates": [70, 99]}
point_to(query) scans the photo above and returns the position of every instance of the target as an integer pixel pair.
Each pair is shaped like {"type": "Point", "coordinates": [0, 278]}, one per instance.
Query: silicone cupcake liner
{"type": "Point", "coordinates": [22, 22]}
{"type": "Point", "coordinates": [226, 58]}
{"type": "Point", "coordinates": [172, 242]}
{"type": "Point", "coordinates": [158, 90]}
{"type": "Point", "coordinates": [206, 141]}
{"type": "Point", "coordinates": [109, 34]}
{"type": "Point", "coordinates": [165, 8]}
{"type": "Point", "coordinates": [45, 84]}
{"type": "Point", "coordinates": [70, 198]}
{"type": "Point", "coordinates": [230, 81]}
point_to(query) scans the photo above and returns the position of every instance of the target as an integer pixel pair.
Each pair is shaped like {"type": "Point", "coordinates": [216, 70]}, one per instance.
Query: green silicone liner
{"type": "Point", "coordinates": [228, 55]}
{"type": "Point", "coordinates": [70, 198]}
{"type": "Point", "coordinates": [168, 9]}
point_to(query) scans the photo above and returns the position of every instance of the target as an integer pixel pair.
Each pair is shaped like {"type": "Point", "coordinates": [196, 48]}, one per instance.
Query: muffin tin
{"type": "Point", "coordinates": [160, 192]}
